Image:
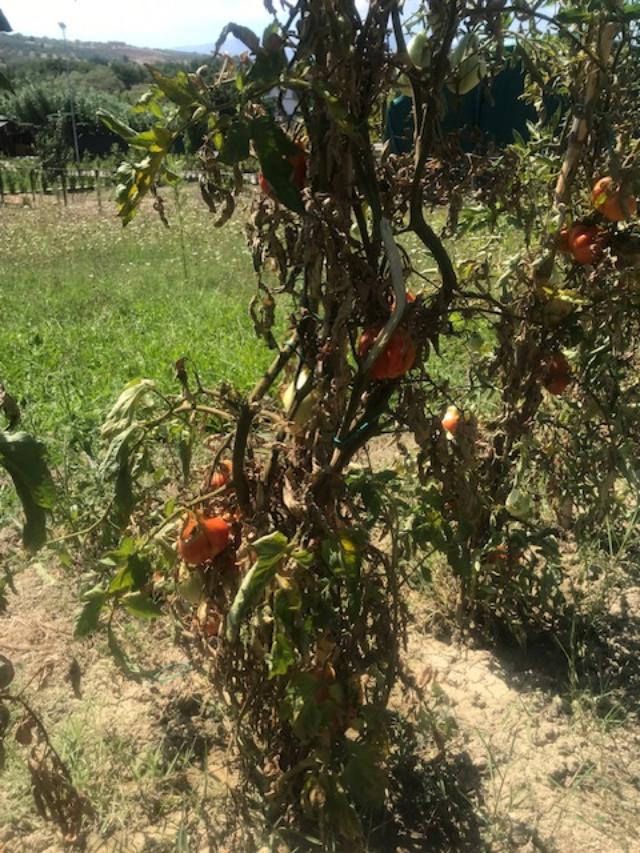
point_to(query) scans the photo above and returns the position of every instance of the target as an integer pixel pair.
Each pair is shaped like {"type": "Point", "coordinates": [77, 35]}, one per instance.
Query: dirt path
{"type": "Point", "coordinates": [546, 774]}
{"type": "Point", "coordinates": [554, 777]}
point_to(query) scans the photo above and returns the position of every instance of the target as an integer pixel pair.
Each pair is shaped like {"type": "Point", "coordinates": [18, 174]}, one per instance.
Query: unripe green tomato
{"type": "Point", "coordinates": [304, 412]}
{"type": "Point", "coordinates": [191, 589]}
{"type": "Point", "coordinates": [419, 50]}
{"type": "Point", "coordinates": [518, 505]}
{"type": "Point", "coordinates": [289, 394]}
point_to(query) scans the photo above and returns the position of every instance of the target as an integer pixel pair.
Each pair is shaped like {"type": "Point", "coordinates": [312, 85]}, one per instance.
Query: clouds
{"type": "Point", "coordinates": [153, 23]}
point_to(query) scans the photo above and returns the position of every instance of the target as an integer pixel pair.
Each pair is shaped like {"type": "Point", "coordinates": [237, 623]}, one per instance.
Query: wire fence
{"type": "Point", "coordinates": [26, 185]}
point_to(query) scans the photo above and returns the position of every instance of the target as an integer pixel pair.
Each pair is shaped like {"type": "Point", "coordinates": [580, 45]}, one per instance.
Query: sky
{"type": "Point", "coordinates": [146, 23]}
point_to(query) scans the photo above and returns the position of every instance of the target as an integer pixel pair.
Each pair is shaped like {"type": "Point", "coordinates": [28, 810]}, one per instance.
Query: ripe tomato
{"type": "Point", "coordinates": [298, 176]}
{"type": "Point", "coordinates": [557, 374]}
{"type": "Point", "coordinates": [220, 477]}
{"type": "Point", "coordinates": [397, 357]}
{"type": "Point", "coordinates": [587, 243]}
{"type": "Point", "coordinates": [451, 420]}
{"type": "Point", "coordinates": [609, 200]}
{"type": "Point", "coordinates": [558, 385]}
{"type": "Point", "coordinates": [202, 539]}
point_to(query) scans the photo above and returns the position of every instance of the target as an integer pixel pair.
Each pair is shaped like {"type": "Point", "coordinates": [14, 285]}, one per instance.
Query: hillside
{"type": "Point", "coordinates": [16, 48]}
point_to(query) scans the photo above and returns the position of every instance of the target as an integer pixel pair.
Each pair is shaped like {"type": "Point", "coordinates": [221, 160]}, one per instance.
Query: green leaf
{"type": "Point", "coordinates": [304, 558]}
{"type": "Point", "coordinates": [25, 460]}
{"type": "Point", "coordinates": [157, 140]}
{"type": "Point", "coordinates": [339, 112]}
{"type": "Point", "coordinates": [282, 656]}
{"type": "Point", "coordinates": [89, 618]}
{"type": "Point", "coordinates": [139, 604]}
{"type": "Point", "coordinates": [267, 68]}
{"type": "Point", "coordinates": [116, 126]}
{"type": "Point", "coordinates": [179, 89]}
{"type": "Point", "coordinates": [273, 147]}
{"type": "Point", "coordinates": [133, 575]}
{"type": "Point", "coordinates": [270, 550]}
{"type": "Point", "coordinates": [235, 147]}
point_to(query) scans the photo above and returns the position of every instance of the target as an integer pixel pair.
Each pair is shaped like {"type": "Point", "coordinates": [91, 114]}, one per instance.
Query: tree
{"type": "Point", "coordinates": [303, 614]}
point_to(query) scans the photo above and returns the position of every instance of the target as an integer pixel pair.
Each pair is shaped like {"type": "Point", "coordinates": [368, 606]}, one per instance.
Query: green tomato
{"type": "Point", "coordinates": [518, 505]}
{"type": "Point", "coordinates": [192, 587]}
{"type": "Point", "coordinates": [419, 50]}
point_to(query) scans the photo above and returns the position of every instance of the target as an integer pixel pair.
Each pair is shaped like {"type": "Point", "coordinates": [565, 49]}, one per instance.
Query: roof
{"type": "Point", "coordinates": [5, 26]}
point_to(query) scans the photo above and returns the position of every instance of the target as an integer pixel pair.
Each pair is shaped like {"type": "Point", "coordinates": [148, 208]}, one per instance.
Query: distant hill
{"type": "Point", "coordinates": [232, 46]}
{"type": "Point", "coordinates": [16, 48]}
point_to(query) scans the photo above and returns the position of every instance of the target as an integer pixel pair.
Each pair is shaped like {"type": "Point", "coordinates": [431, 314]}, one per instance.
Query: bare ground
{"type": "Point", "coordinates": [538, 769]}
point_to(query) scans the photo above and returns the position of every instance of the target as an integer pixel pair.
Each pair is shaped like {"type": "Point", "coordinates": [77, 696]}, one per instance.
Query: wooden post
{"type": "Point", "coordinates": [98, 195]}
{"type": "Point", "coordinates": [63, 183]}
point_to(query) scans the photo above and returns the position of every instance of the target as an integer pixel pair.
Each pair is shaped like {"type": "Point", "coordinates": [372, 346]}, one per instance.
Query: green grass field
{"type": "Point", "coordinates": [88, 306]}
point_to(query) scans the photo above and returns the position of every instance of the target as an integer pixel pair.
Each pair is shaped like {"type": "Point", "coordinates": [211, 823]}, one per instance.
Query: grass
{"type": "Point", "coordinates": [88, 306]}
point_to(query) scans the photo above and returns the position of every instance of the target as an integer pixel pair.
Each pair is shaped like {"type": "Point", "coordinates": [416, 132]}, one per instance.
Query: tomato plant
{"type": "Point", "coordinates": [302, 614]}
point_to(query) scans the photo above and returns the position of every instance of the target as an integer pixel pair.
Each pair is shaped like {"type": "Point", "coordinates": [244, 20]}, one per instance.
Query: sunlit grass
{"type": "Point", "coordinates": [88, 306]}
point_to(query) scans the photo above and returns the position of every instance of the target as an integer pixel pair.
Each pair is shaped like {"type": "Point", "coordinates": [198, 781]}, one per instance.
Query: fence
{"type": "Point", "coordinates": [29, 184]}
{"type": "Point", "coordinates": [21, 184]}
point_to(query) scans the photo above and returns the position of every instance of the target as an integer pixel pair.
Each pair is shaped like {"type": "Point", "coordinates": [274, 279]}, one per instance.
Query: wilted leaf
{"type": "Point", "coordinates": [24, 458]}
{"type": "Point", "coordinates": [235, 147]}
{"type": "Point", "coordinates": [126, 407]}
{"type": "Point", "coordinates": [270, 550]}
{"type": "Point", "coordinates": [243, 34]}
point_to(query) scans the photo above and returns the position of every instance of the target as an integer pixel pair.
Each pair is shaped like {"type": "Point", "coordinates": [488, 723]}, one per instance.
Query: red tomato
{"type": "Point", "coordinates": [220, 477]}
{"type": "Point", "coordinates": [557, 374]}
{"type": "Point", "coordinates": [608, 198]}
{"type": "Point", "coordinates": [202, 539]}
{"type": "Point", "coordinates": [265, 186]}
{"type": "Point", "coordinates": [451, 420]}
{"type": "Point", "coordinates": [587, 243]}
{"type": "Point", "coordinates": [397, 357]}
